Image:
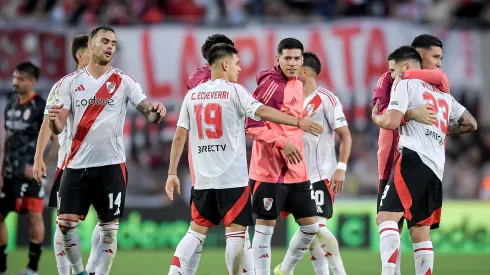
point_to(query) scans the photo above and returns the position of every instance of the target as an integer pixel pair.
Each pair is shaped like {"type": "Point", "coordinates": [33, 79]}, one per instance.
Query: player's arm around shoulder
{"type": "Point", "coordinates": [398, 106]}
{"type": "Point", "coordinates": [460, 120]}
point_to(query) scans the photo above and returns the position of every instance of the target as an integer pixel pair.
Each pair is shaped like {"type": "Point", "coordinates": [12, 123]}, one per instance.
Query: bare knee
{"type": "Point", "coordinates": [35, 218]}
{"type": "Point", "coordinates": [384, 216]}
{"type": "Point", "coordinates": [233, 227]}
{"type": "Point", "coordinates": [420, 233]}
{"type": "Point", "coordinates": [307, 221]}
{"type": "Point", "coordinates": [266, 222]}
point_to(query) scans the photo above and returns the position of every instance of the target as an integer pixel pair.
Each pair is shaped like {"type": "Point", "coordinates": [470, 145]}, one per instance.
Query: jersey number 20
{"type": "Point", "coordinates": [212, 117]}
{"type": "Point", "coordinates": [437, 104]}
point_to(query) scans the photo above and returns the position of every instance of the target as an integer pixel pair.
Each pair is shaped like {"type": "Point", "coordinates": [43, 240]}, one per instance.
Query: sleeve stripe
{"type": "Point", "coordinates": [380, 81]}
{"type": "Point", "coordinates": [330, 97]}
{"type": "Point", "coordinates": [264, 80]}
{"type": "Point", "coordinates": [271, 93]}
{"type": "Point", "coordinates": [268, 91]}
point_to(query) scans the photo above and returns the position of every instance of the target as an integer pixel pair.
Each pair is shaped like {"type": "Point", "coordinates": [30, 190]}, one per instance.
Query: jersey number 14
{"type": "Point", "coordinates": [212, 117]}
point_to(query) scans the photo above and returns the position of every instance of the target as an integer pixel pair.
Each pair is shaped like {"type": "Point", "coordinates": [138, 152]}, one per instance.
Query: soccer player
{"type": "Point", "coordinates": [19, 191]}
{"type": "Point", "coordinates": [278, 176]}
{"type": "Point", "coordinates": [430, 48]}
{"type": "Point", "coordinates": [80, 54]}
{"type": "Point", "coordinates": [92, 102]}
{"type": "Point", "coordinates": [202, 75]}
{"type": "Point", "coordinates": [213, 114]}
{"type": "Point", "coordinates": [326, 175]}
{"type": "Point", "coordinates": [414, 190]}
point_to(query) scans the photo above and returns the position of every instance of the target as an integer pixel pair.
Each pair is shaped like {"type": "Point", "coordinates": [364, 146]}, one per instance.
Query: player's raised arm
{"type": "Point", "coordinates": [460, 120]}
{"type": "Point", "coordinates": [153, 111]}
{"type": "Point", "coordinates": [58, 112]}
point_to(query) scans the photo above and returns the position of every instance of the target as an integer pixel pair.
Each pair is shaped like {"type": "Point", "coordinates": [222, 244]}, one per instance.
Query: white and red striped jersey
{"type": "Point", "coordinates": [320, 156]}
{"type": "Point", "coordinates": [427, 140]}
{"type": "Point", "coordinates": [214, 114]}
{"type": "Point", "coordinates": [62, 136]}
{"type": "Point", "coordinates": [98, 110]}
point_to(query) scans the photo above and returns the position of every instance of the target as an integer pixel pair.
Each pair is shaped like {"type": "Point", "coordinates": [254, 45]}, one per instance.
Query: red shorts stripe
{"type": "Point", "coordinates": [198, 219]}
{"type": "Point", "coordinates": [402, 190]}
{"type": "Point", "coordinates": [123, 170]}
{"type": "Point", "coordinates": [29, 204]}
{"type": "Point", "coordinates": [434, 218]}
{"type": "Point", "coordinates": [58, 170]}
{"type": "Point", "coordinates": [237, 208]}
{"type": "Point", "coordinates": [256, 186]}
{"type": "Point", "coordinates": [330, 190]}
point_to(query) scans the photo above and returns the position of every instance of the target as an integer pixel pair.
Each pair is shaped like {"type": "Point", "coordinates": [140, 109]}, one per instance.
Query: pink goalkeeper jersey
{"type": "Point", "coordinates": [268, 163]}
{"type": "Point", "coordinates": [98, 110]}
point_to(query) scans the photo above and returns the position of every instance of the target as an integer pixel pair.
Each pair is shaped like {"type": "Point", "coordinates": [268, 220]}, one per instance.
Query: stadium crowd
{"type": "Point", "coordinates": [126, 12]}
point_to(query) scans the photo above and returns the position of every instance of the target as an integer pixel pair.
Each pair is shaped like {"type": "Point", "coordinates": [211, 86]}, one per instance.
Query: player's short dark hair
{"type": "Point", "coordinates": [213, 40]}
{"type": "Point", "coordinates": [405, 53]}
{"type": "Point", "coordinates": [96, 30]}
{"type": "Point", "coordinates": [426, 41]}
{"type": "Point", "coordinates": [311, 61]}
{"type": "Point", "coordinates": [29, 68]}
{"type": "Point", "coordinates": [79, 43]}
{"type": "Point", "coordinates": [289, 44]}
{"type": "Point", "coordinates": [219, 51]}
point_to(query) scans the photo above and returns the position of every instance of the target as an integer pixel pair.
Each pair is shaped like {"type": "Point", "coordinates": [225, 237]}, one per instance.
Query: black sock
{"type": "Point", "coordinates": [35, 250]}
{"type": "Point", "coordinates": [3, 258]}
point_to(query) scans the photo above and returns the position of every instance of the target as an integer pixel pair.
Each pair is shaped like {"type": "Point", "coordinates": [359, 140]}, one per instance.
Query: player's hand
{"type": "Point", "coordinates": [338, 179]}
{"type": "Point", "coordinates": [39, 170]}
{"type": "Point", "coordinates": [423, 114]}
{"type": "Point", "coordinates": [308, 125]}
{"type": "Point", "coordinates": [292, 153]}
{"type": "Point", "coordinates": [173, 183]}
{"type": "Point", "coordinates": [54, 111]}
{"type": "Point", "coordinates": [29, 172]}
{"type": "Point", "coordinates": [158, 108]}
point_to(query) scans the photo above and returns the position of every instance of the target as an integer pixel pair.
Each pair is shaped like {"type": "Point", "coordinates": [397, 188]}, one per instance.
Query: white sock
{"type": "Point", "coordinates": [261, 249]}
{"type": "Point", "coordinates": [389, 246]}
{"type": "Point", "coordinates": [299, 244]}
{"type": "Point", "coordinates": [93, 251]}
{"type": "Point", "coordinates": [107, 248]}
{"type": "Point", "coordinates": [398, 268]}
{"type": "Point", "coordinates": [62, 262]}
{"type": "Point", "coordinates": [71, 243]}
{"type": "Point", "coordinates": [191, 268]}
{"type": "Point", "coordinates": [330, 247]}
{"type": "Point", "coordinates": [235, 244]}
{"type": "Point", "coordinates": [424, 258]}
{"type": "Point", "coordinates": [318, 259]}
{"type": "Point", "coordinates": [248, 265]}
{"type": "Point", "coordinates": [184, 251]}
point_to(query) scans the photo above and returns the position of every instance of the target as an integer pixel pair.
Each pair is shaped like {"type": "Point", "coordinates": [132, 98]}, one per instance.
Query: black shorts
{"type": "Point", "coordinates": [415, 190]}
{"type": "Point", "coordinates": [269, 199]}
{"type": "Point", "coordinates": [232, 205]}
{"type": "Point", "coordinates": [323, 195]}
{"type": "Point", "coordinates": [21, 195]}
{"type": "Point", "coordinates": [103, 187]}
{"type": "Point", "coordinates": [53, 196]}
{"type": "Point", "coordinates": [381, 187]}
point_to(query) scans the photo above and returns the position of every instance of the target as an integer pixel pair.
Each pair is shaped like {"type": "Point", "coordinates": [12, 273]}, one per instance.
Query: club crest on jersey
{"type": "Point", "coordinates": [268, 203]}
{"type": "Point", "coordinates": [310, 108]}
{"type": "Point", "coordinates": [27, 114]}
{"type": "Point", "coordinates": [110, 87]}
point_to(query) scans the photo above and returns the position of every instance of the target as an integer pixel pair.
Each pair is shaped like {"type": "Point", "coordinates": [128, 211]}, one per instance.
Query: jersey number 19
{"type": "Point", "coordinates": [212, 117]}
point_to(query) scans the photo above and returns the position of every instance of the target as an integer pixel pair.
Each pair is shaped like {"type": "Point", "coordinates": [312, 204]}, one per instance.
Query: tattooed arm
{"type": "Point", "coordinates": [154, 112]}
{"type": "Point", "coordinates": [466, 123]}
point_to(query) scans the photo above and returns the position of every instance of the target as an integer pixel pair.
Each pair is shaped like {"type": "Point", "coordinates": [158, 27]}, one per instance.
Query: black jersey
{"type": "Point", "coordinates": [22, 125]}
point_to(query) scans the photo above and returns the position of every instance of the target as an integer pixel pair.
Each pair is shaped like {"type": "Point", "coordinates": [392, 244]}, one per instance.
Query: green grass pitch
{"type": "Point", "coordinates": [134, 262]}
